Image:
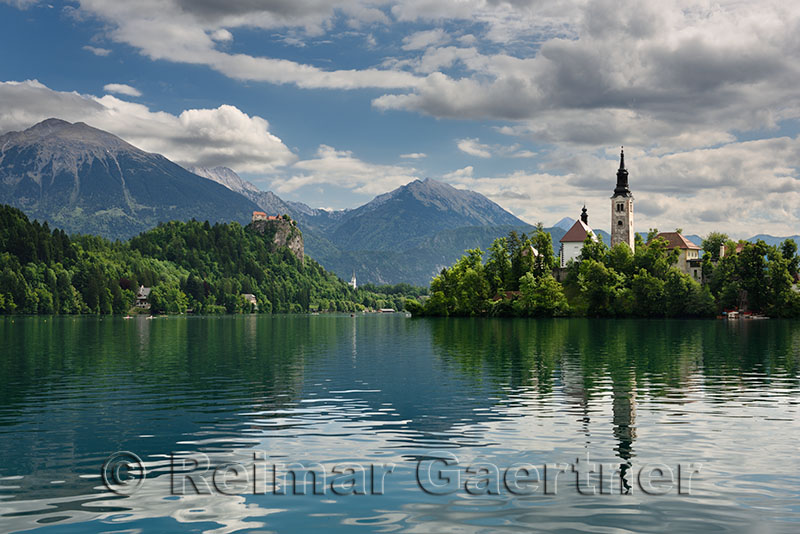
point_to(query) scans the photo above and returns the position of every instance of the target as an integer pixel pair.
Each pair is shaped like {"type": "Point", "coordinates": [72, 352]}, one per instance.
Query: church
{"type": "Point", "coordinates": [621, 220]}
{"type": "Point", "coordinates": [622, 208]}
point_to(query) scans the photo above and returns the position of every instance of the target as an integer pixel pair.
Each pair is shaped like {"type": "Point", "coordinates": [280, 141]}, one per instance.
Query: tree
{"type": "Point", "coordinates": [498, 266]}
{"type": "Point", "coordinates": [648, 292]}
{"type": "Point", "coordinates": [541, 296]}
{"type": "Point", "coordinates": [713, 243]}
{"type": "Point", "coordinates": [620, 258]}
{"type": "Point", "coordinates": [789, 252]}
{"type": "Point", "coordinates": [599, 285]}
{"type": "Point", "coordinates": [545, 261]}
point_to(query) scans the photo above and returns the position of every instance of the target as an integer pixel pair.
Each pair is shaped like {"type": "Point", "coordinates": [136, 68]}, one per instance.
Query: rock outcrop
{"type": "Point", "coordinates": [282, 233]}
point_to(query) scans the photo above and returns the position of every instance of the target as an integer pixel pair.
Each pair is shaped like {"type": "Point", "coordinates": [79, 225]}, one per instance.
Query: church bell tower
{"type": "Point", "coordinates": [622, 208]}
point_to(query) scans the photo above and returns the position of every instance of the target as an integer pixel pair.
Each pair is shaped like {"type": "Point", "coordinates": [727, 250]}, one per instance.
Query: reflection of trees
{"type": "Point", "coordinates": [630, 359]}
{"type": "Point", "coordinates": [77, 389]}
{"type": "Point", "coordinates": [512, 352]}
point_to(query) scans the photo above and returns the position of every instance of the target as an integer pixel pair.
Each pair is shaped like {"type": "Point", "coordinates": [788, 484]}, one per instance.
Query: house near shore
{"type": "Point", "coordinates": [689, 257]}
{"type": "Point", "coordinates": [143, 297]}
{"type": "Point", "coordinates": [251, 299]}
{"type": "Point", "coordinates": [572, 242]}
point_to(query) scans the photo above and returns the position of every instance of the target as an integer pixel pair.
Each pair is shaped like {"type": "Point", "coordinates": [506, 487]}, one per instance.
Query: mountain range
{"type": "Point", "coordinates": [406, 235]}
{"type": "Point", "coordinates": [85, 180]}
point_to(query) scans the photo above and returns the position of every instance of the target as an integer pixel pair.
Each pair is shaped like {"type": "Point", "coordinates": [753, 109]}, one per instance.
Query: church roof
{"type": "Point", "coordinates": [676, 240]}
{"type": "Point", "coordinates": [578, 233]}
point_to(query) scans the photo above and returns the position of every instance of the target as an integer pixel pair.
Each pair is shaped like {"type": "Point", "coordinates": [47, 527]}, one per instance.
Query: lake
{"type": "Point", "coordinates": [381, 423]}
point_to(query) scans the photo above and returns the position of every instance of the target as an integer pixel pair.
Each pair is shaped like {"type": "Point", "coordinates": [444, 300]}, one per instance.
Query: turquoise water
{"type": "Point", "coordinates": [388, 399]}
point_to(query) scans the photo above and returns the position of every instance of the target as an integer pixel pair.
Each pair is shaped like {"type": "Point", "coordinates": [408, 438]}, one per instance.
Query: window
{"type": "Point", "coordinates": [620, 207]}
{"type": "Point", "coordinates": [619, 222]}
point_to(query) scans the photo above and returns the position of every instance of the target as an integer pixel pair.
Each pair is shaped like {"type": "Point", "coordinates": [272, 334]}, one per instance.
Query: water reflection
{"type": "Point", "coordinates": [387, 389]}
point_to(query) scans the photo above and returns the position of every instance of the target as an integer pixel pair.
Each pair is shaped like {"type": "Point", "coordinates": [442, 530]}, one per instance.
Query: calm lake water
{"type": "Point", "coordinates": [452, 420]}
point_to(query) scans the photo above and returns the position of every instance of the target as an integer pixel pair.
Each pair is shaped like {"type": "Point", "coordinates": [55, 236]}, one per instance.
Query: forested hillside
{"type": "Point", "coordinates": [189, 266]}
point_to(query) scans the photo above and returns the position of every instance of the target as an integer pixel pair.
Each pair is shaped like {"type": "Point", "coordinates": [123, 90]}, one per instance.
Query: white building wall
{"type": "Point", "coordinates": [571, 252]}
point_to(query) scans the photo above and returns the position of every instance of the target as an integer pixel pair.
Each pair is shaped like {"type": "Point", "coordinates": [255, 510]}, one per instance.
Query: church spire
{"type": "Point", "coordinates": [584, 215]}
{"type": "Point", "coordinates": [622, 177]}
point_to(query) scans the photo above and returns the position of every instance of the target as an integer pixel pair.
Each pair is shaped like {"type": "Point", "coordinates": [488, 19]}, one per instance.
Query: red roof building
{"type": "Point", "coordinates": [572, 242]}
{"type": "Point", "coordinates": [689, 258]}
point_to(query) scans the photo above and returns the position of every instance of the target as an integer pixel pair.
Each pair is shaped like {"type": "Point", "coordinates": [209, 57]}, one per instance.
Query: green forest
{"type": "Point", "coordinates": [615, 282]}
{"type": "Point", "coordinates": [189, 266]}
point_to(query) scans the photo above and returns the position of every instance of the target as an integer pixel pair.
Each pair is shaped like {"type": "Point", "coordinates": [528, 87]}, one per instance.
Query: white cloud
{"type": "Point", "coordinates": [221, 35]}
{"type": "Point", "coordinates": [425, 39]}
{"type": "Point", "coordinates": [414, 155]}
{"type": "Point", "coordinates": [204, 137]}
{"type": "Point", "coordinates": [342, 169]}
{"type": "Point", "coordinates": [677, 73]}
{"type": "Point", "coordinates": [474, 147]}
{"type": "Point", "coordinates": [459, 174]}
{"type": "Point", "coordinates": [188, 32]}
{"type": "Point", "coordinates": [121, 89]}
{"type": "Point", "coordinates": [736, 188]}
{"type": "Point", "coordinates": [102, 52]}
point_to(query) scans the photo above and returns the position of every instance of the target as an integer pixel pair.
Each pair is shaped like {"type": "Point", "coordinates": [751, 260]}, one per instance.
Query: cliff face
{"type": "Point", "coordinates": [282, 233]}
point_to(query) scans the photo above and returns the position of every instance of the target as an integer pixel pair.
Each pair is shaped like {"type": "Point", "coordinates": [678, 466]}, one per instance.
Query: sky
{"type": "Point", "coordinates": [331, 102]}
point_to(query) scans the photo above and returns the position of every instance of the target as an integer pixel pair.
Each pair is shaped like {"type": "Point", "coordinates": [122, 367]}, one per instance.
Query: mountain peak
{"type": "Point", "coordinates": [415, 211]}
{"type": "Point", "coordinates": [84, 179]}
{"type": "Point", "coordinates": [54, 132]}
{"type": "Point", "coordinates": [565, 223]}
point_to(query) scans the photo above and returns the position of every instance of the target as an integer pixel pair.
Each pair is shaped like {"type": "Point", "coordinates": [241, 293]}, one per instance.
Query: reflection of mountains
{"type": "Point", "coordinates": [77, 389]}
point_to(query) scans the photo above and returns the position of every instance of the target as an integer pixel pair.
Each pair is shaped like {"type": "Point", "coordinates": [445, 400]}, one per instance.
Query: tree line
{"type": "Point", "coordinates": [189, 266]}
{"type": "Point", "coordinates": [517, 279]}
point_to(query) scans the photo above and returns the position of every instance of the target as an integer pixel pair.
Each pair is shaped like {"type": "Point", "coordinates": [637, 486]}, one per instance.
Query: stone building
{"type": "Point", "coordinates": [622, 208]}
{"type": "Point", "coordinates": [689, 258]}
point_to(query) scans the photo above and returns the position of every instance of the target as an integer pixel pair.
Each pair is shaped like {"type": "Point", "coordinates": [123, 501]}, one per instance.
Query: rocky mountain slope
{"type": "Point", "coordinates": [86, 180]}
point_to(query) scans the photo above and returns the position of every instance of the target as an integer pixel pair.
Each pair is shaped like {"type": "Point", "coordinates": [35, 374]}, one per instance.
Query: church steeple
{"type": "Point", "coordinates": [622, 208]}
{"type": "Point", "coordinates": [584, 215]}
{"type": "Point", "coordinates": [622, 188]}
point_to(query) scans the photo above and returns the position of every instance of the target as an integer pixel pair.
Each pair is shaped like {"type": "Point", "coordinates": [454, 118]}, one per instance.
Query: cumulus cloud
{"type": "Point", "coordinates": [414, 155]}
{"type": "Point", "coordinates": [121, 89]}
{"type": "Point", "coordinates": [203, 137]}
{"type": "Point", "coordinates": [735, 187]}
{"type": "Point", "coordinates": [342, 169]}
{"type": "Point", "coordinates": [673, 74]}
{"type": "Point", "coordinates": [221, 35]}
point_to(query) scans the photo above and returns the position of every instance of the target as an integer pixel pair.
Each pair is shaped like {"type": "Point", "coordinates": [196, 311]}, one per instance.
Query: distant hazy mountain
{"type": "Point", "coordinates": [406, 235]}
{"type": "Point", "coordinates": [565, 223]}
{"type": "Point", "coordinates": [403, 218]}
{"type": "Point", "coordinates": [86, 180]}
{"type": "Point", "coordinates": [772, 240]}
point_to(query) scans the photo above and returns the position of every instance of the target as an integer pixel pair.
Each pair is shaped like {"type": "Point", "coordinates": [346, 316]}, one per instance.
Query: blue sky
{"type": "Point", "coordinates": [331, 102]}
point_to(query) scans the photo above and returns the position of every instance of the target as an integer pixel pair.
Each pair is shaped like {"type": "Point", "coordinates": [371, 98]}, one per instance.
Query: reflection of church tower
{"type": "Point", "coordinates": [624, 421]}
{"type": "Point", "coordinates": [353, 281]}
{"type": "Point", "coordinates": [622, 208]}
